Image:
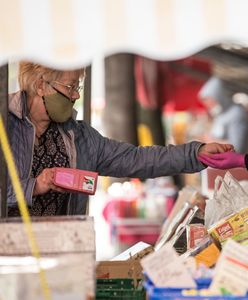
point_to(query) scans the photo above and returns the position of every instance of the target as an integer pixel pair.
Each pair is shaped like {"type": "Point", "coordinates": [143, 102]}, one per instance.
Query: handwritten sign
{"type": "Point", "coordinates": [231, 271]}
{"type": "Point", "coordinates": [166, 269]}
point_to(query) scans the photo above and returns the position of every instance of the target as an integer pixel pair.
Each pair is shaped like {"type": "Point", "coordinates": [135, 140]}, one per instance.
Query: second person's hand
{"type": "Point", "coordinates": [226, 160]}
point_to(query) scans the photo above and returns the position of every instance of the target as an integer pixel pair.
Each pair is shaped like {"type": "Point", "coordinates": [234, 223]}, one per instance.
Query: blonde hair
{"type": "Point", "coordinates": [30, 74]}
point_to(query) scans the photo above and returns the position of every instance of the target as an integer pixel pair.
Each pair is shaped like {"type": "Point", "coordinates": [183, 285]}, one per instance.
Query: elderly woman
{"type": "Point", "coordinates": [44, 134]}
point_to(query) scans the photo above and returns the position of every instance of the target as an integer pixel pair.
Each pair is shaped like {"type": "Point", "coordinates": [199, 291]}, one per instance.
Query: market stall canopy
{"type": "Point", "coordinates": [67, 33]}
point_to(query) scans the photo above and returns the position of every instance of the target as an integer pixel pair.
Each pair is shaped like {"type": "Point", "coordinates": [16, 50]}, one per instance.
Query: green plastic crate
{"type": "Point", "coordinates": [121, 289]}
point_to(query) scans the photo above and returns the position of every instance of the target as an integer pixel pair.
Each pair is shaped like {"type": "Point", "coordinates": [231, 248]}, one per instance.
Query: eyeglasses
{"type": "Point", "coordinates": [71, 88]}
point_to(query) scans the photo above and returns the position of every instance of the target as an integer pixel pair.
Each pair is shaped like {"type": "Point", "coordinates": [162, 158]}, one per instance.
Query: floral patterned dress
{"type": "Point", "coordinates": [50, 152]}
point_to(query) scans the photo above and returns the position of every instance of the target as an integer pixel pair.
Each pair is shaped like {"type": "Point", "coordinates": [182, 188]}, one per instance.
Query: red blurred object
{"type": "Point", "coordinates": [169, 204]}
{"type": "Point", "coordinates": [125, 226]}
{"type": "Point", "coordinates": [171, 86]}
{"type": "Point", "coordinates": [209, 175]}
{"type": "Point", "coordinates": [120, 207]}
{"type": "Point", "coordinates": [130, 231]}
{"type": "Point", "coordinates": [181, 84]}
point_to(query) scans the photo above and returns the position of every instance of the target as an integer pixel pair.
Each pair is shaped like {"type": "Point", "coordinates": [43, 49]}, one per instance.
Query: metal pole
{"type": "Point", "coordinates": [4, 113]}
{"type": "Point", "coordinates": [87, 96]}
{"type": "Point", "coordinates": [120, 109]}
{"type": "Point", "coordinates": [87, 109]}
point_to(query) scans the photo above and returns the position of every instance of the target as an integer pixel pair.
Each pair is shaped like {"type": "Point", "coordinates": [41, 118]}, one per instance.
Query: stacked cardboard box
{"type": "Point", "coordinates": [67, 247]}
{"type": "Point", "coordinates": [121, 277]}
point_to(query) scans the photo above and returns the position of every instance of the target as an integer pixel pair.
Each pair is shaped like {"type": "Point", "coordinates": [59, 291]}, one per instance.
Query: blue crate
{"type": "Point", "coordinates": [156, 293]}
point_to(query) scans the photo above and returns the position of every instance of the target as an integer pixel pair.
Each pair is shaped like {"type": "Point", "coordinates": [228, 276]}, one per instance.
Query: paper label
{"type": "Point", "coordinates": [88, 183]}
{"type": "Point", "coordinates": [166, 269]}
{"type": "Point", "coordinates": [231, 271]}
{"type": "Point", "coordinates": [65, 179]}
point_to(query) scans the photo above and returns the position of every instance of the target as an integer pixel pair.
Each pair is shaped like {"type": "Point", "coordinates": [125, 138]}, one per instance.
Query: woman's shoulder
{"type": "Point", "coordinates": [80, 127]}
{"type": "Point", "coordinates": [16, 104]}
{"type": "Point", "coordinates": [76, 125]}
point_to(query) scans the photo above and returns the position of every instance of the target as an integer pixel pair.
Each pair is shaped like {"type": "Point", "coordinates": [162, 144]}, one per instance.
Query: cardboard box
{"type": "Point", "coordinates": [69, 277]}
{"type": "Point", "coordinates": [135, 252]}
{"type": "Point", "coordinates": [125, 265]}
{"type": "Point", "coordinates": [205, 252]}
{"type": "Point", "coordinates": [208, 256]}
{"type": "Point", "coordinates": [68, 240]}
{"type": "Point", "coordinates": [119, 269]}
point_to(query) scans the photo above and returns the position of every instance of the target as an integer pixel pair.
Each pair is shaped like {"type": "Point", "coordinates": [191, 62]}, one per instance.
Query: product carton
{"type": "Point", "coordinates": [126, 264]}
{"type": "Point", "coordinates": [67, 276]}
{"type": "Point", "coordinates": [119, 269]}
{"type": "Point", "coordinates": [135, 252]}
{"type": "Point", "coordinates": [234, 226]}
{"type": "Point", "coordinates": [69, 241]}
{"type": "Point", "coordinates": [53, 235]}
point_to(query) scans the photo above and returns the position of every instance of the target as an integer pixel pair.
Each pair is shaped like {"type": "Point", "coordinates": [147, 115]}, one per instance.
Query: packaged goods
{"type": "Point", "coordinates": [208, 256]}
{"type": "Point", "coordinates": [76, 180]}
{"type": "Point", "coordinates": [188, 203]}
{"type": "Point", "coordinates": [234, 226]}
{"type": "Point", "coordinates": [195, 233]}
{"type": "Point", "coordinates": [206, 252]}
{"type": "Point", "coordinates": [229, 197]}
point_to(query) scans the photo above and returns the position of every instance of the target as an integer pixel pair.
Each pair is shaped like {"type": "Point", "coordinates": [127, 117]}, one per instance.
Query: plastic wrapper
{"type": "Point", "coordinates": [229, 196]}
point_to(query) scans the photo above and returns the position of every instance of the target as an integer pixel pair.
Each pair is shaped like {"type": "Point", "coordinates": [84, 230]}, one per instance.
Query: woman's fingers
{"type": "Point", "coordinates": [44, 183]}
{"type": "Point", "coordinates": [229, 147]}
{"type": "Point", "coordinates": [57, 189]}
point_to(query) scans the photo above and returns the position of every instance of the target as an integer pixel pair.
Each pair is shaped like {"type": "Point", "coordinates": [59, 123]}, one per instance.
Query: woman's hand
{"type": "Point", "coordinates": [213, 148]}
{"type": "Point", "coordinates": [44, 183]}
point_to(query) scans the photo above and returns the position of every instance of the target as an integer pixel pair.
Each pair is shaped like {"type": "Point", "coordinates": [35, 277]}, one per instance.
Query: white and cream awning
{"type": "Point", "coordinates": [66, 33]}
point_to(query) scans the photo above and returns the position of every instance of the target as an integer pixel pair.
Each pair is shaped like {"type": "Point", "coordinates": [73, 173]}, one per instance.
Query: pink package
{"type": "Point", "coordinates": [76, 180]}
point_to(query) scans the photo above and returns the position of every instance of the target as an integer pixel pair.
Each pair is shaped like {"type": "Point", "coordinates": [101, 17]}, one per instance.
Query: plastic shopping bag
{"type": "Point", "coordinates": [228, 197]}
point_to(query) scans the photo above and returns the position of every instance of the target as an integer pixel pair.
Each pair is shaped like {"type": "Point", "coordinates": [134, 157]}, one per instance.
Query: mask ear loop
{"type": "Point", "coordinates": [44, 101]}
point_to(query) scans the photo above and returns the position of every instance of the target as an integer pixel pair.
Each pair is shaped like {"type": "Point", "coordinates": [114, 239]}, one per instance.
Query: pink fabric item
{"type": "Point", "coordinates": [226, 160]}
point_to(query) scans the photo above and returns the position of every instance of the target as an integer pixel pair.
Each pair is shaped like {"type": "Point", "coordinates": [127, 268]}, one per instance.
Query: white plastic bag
{"type": "Point", "coordinates": [240, 196]}
{"type": "Point", "coordinates": [229, 197]}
